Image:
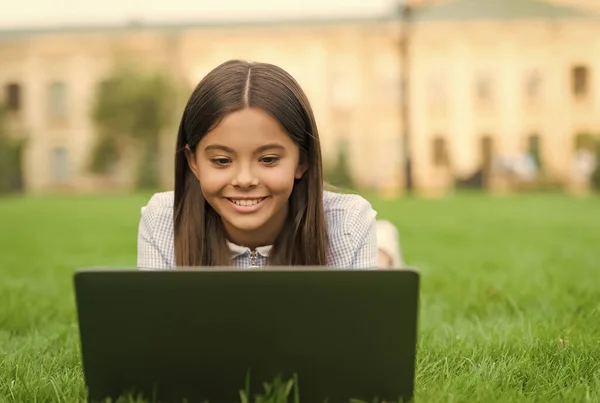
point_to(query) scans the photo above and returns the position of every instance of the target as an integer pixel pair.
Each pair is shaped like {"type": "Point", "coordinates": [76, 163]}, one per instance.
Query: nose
{"type": "Point", "coordinates": [244, 177]}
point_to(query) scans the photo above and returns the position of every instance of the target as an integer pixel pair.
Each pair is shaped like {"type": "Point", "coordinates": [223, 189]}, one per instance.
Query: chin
{"type": "Point", "coordinates": [246, 234]}
{"type": "Point", "coordinates": [246, 225]}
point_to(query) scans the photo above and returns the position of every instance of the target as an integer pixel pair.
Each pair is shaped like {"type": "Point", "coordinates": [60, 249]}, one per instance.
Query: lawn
{"type": "Point", "coordinates": [510, 306]}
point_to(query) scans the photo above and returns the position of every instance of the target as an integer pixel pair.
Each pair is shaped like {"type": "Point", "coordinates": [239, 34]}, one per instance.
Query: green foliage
{"type": "Point", "coordinates": [590, 142]}
{"type": "Point", "coordinates": [535, 152]}
{"type": "Point", "coordinates": [105, 155]}
{"type": "Point", "coordinates": [278, 391]}
{"type": "Point", "coordinates": [10, 165]}
{"type": "Point", "coordinates": [131, 109]}
{"type": "Point", "coordinates": [148, 176]}
{"type": "Point", "coordinates": [11, 148]}
{"type": "Point", "coordinates": [134, 103]}
{"type": "Point", "coordinates": [596, 173]}
{"type": "Point", "coordinates": [338, 174]}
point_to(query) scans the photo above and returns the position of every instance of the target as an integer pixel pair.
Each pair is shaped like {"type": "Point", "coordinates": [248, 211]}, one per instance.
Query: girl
{"type": "Point", "coordinates": [249, 183]}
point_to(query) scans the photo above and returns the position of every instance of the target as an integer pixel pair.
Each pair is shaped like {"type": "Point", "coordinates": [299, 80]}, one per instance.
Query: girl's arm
{"type": "Point", "coordinates": [149, 255]}
{"type": "Point", "coordinates": [367, 254]}
{"type": "Point", "coordinates": [362, 230]}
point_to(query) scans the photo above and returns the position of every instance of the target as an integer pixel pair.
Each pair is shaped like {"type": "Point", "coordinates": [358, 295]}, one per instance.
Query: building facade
{"type": "Point", "coordinates": [484, 79]}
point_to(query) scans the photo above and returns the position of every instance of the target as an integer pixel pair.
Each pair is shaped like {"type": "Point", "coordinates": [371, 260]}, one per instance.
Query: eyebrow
{"type": "Point", "coordinates": [271, 146]}
{"type": "Point", "coordinates": [219, 148]}
{"type": "Point", "coordinates": [260, 149]}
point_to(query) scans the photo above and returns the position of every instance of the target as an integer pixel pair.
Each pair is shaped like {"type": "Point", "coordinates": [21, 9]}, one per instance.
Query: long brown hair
{"type": "Point", "coordinates": [200, 238]}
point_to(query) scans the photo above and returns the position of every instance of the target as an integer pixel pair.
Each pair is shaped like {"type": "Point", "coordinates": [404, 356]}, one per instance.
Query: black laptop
{"type": "Point", "coordinates": [204, 335]}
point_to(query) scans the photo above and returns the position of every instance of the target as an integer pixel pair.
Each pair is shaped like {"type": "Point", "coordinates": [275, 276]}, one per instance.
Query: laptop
{"type": "Point", "coordinates": [203, 335]}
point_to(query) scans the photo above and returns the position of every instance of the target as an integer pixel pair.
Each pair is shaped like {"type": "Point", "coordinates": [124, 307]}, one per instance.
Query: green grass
{"type": "Point", "coordinates": [510, 307]}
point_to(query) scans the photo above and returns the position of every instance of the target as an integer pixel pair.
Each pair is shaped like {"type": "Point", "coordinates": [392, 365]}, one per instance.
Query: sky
{"type": "Point", "coordinates": [35, 13]}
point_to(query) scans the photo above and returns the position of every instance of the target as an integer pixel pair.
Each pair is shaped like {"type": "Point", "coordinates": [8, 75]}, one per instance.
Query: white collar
{"type": "Point", "coordinates": [240, 250]}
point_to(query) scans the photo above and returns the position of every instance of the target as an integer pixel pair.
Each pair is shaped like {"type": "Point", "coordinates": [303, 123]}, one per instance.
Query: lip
{"type": "Point", "coordinates": [246, 209]}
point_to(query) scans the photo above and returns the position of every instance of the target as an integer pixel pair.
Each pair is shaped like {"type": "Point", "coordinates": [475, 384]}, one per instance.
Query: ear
{"type": "Point", "coordinates": [301, 168]}
{"type": "Point", "coordinates": [191, 159]}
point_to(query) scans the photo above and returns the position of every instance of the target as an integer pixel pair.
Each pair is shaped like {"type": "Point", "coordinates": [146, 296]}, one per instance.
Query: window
{"type": "Point", "coordinates": [58, 99]}
{"type": "Point", "coordinates": [483, 89]}
{"type": "Point", "coordinates": [584, 141]}
{"type": "Point", "coordinates": [13, 96]}
{"type": "Point", "coordinates": [60, 165]}
{"type": "Point", "coordinates": [580, 81]}
{"type": "Point", "coordinates": [440, 152]}
{"type": "Point", "coordinates": [533, 83]}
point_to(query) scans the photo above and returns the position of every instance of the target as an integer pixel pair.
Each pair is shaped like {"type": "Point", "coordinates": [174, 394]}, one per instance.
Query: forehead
{"type": "Point", "coordinates": [248, 128]}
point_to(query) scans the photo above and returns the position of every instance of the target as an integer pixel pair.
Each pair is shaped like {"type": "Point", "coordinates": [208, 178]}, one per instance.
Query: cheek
{"type": "Point", "coordinates": [208, 188]}
{"type": "Point", "coordinates": [280, 180]}
{"type": "Point", "coordinates": [212, 180]}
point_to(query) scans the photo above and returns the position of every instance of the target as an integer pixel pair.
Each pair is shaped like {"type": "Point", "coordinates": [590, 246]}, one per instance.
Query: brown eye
{"type": "Point", "coordinates": [220, 161]}
{"type": "Point", "coordinates": [269, 160]}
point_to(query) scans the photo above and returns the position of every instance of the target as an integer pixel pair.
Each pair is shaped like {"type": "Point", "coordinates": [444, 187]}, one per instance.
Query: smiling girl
{"type": "Point", "coordinates": [249, 183]}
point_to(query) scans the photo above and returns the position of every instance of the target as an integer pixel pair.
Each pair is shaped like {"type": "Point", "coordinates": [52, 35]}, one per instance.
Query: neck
{"type": "Point", "coordinates": [262, 236]}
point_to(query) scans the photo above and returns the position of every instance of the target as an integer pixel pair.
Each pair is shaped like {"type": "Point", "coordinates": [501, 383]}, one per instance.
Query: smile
{"type": "Point", "coordinates": [246, 206]}
{"type": "Point", "coordinates": [246, 202]}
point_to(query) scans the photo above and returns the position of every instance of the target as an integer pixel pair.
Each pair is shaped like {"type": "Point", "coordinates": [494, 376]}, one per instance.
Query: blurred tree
{"type": "Point", "coordinates": [11, 147]}
{"type": "Point", "coordinates": [131, 110]}
{"type": "Point", "coordinates": [596, 174]}
{"type": "Point", "coordinates": [534, 149]}
{"type": "Point", "coordinates": [339, 174]}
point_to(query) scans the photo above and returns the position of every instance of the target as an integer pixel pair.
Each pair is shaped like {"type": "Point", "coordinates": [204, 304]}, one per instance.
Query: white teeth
{"type": "Point", "coordinates": [246, 202]}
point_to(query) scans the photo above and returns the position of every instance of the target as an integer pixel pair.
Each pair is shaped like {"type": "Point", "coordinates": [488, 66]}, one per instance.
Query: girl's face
{"type": "Point", "coordinates": [246, 167]}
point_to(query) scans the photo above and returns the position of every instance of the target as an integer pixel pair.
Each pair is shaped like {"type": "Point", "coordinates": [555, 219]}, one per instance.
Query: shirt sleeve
{"type": "Point", "coordinates": [148, 253]}
{"type": "Point", "coordinates": [364, 230]}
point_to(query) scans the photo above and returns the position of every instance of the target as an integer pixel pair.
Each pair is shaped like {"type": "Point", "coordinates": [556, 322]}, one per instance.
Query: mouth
{"type": "Point", "coordinates": [246, 205]}
{"type": "Point", "coordinates": [246, 202]}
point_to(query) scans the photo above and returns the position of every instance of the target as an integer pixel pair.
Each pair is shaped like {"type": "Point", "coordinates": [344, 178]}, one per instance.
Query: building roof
{"type": "Point", "coordinates": [435, 10]}
{"type": "Point", "coordinates": [8, 34]}
{"type": "Point", "coordinates": [466, 10]}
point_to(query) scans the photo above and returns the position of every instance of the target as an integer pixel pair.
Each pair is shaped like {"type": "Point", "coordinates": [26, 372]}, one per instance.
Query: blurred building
{"type": "Point", "coordinates": [485, 80]}
{"type": "Point", "coordinates": [590, 5]}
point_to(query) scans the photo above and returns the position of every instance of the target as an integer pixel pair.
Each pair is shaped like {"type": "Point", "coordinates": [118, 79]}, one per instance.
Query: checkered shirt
{"type": "Point", "coordinates": [351, 224]}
